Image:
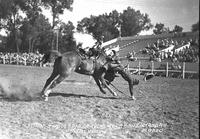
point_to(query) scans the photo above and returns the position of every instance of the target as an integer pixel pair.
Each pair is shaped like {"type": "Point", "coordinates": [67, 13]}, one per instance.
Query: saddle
{"type": "Point", "coordinates": [86, 66]}
{"type": "Point", "coordinates": [91, 60]}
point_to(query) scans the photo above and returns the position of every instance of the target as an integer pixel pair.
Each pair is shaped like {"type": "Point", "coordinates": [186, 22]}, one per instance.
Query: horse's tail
{"type": "Point", "coordinates": [50, 56]}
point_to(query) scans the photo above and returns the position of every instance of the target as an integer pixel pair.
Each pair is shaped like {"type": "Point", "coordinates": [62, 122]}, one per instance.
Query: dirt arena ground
{"type": "Point", "coordinates": [165, 108]}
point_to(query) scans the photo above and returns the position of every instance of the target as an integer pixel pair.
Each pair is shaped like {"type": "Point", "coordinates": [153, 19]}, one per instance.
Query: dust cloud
{"type": "Point", "coordinates": [17, 90]}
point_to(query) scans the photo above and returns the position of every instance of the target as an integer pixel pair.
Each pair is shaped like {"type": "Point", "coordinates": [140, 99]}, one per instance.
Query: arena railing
{"type": "Point", "coordinates": [166, 68]}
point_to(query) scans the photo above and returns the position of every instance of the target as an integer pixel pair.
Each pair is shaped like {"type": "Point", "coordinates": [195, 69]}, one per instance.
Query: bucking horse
{"type": "Point", "coordinates": [100, 68]}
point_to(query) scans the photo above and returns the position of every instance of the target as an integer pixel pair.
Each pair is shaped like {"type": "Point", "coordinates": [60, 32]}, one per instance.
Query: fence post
{"type": "Point", "coordinates": [17, 59]}
{"type": "Point", "coordinates": [152, 66]}
{"type": "Point", "coordinates": [40, 64]}
{"type": "Point", "coordinates": [25, 61]}
{"type": "Point", "coordinates": [167, 69]}
{"type": "Point", "coordinates": [139, 67]}
{"type": "Point", "coordinates": [10, 60]}
{"type": "Point", "coordinates": [4, 60]}
{"type": "Point", "coordinates": [183, 70]}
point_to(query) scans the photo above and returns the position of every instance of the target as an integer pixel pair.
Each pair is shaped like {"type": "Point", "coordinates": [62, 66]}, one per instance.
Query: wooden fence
{"type": "Point", "coordinates": [164, 67]}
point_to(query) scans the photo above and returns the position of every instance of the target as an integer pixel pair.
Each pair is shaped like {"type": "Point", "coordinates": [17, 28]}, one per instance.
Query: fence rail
{"type": "Point", "coordinates": [165, 67]}
{"type": "Point", "coordinates": [138, 66]}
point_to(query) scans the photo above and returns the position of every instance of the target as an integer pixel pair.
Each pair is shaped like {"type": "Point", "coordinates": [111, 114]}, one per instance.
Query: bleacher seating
{"type": "Point", "coordinates": [138, 43]}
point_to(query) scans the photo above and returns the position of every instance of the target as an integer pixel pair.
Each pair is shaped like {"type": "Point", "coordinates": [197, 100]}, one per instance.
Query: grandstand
{"type": "Point", "coordinates": [137, 43]}
{"type": "Point", "coordinates": [180, 55]}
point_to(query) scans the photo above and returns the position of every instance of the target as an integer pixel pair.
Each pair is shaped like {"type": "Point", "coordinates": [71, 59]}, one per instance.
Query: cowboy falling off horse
{"type": "Point", "coordinates": [96, 63]}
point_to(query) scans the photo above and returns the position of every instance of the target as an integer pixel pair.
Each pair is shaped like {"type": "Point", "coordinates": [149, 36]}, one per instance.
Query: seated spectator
{"type": "Point", "coordinates": [129, 55]}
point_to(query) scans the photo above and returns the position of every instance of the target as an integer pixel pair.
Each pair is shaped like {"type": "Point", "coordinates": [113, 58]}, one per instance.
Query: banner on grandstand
{"type": "Point", "coordinates": [182, 47]}
{"type": "Point", "coordinates": [168, 49]}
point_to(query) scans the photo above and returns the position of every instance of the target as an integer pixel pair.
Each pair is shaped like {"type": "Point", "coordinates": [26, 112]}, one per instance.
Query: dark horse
{"type": "Point", "coordinates": [99, 68]}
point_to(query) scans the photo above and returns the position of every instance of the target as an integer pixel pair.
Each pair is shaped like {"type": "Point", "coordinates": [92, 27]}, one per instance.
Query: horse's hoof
{"type": "Point", "coordinates": [114, 94]}
{"type": "Point", "coordinates": [45, 99]}
{"type": "Point", "coordinates": [133, 98]}
{"type": "Point", "coordinates": [103, 92]}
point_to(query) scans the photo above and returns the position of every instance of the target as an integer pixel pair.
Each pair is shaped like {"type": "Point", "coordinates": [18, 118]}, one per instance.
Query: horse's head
{"type": "Point", "coordinates": [45, 59]}
{"type": "Point", "coordinates": [93, 52]}
{"type": "Point", "coordinates": [50, 56]}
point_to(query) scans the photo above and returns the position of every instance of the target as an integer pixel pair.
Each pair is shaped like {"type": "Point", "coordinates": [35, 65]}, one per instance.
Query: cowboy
{"type": "Point", "coordinates": [114, 62]}
{"type": "Point", "coordinates": [115, 57]}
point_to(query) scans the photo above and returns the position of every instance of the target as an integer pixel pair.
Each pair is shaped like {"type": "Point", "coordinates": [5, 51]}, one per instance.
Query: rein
{"type": "Point", "coordinates": [118, 89]}
{"type": "Point", "coordinates": [80, 55]}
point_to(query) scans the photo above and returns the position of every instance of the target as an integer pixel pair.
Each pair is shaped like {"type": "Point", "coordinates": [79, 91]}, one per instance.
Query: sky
{"type": "Point", "coordinates": [169, 12]}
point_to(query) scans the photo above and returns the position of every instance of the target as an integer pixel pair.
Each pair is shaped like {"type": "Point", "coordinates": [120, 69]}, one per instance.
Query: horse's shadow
{"type": "Point", "coordinates": [15, 99]}
{"type": "Point", "coordinates": [53, 94]}
{"type": "Point", "coordinates": [83, 96]}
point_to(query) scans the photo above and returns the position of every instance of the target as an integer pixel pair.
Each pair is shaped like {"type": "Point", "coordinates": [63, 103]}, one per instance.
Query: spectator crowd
{"type": "Point", "coordinates": [28, 59]}
{"type": "Point", "coordinates": [164, 49]}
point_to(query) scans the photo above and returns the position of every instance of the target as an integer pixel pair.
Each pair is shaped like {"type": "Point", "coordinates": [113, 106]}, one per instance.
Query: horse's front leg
{"type": "Point", "coordinates": [103, 81]}
{"type": "Point", "coordinates": [99, 84]}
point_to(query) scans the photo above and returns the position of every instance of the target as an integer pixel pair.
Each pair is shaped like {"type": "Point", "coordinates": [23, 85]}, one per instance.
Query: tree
{"type": "Point", "coordinates": [11, 21]}
{"type": "Point", "coordinates": [66, 38]}
{"type": "Point", "coordinates": [57, 7]}
{"type": "Point", "coordinates": [37, 35]}
{"type": "Point", "coordinates": [195, 27]}
{"type": "Point", "coordinates": [133, 22]}
{"type": "Point", "coordinates": [33, 31]}
{"type": "Point", "coordinates": [98, 26]}
{"type": "Point", "coordinates": [33, 25]}
{"type": "Point", "coordinates": [160, 29]}
{"type": "Point", "coordinates": [177, 29]}
{"type": "Point", "coordinates": [32, 8]}
{"type": "Point", "coordinates": [130, 21]}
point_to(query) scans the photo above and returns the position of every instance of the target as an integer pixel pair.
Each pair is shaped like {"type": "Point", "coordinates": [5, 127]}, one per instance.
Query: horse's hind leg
{"type": "Point", "coordinates": [54, 84]}
{"type": "Point", "coordinates": [49, 80]}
